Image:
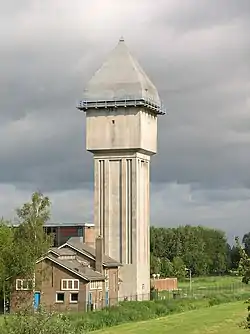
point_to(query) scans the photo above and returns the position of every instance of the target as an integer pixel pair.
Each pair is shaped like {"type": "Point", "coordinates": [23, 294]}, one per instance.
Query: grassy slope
{"type": "Point", "coordinates": [222, 319]}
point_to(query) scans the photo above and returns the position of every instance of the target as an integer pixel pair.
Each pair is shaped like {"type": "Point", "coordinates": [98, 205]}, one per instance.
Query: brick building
{"type": "Point", "coordinates": [74, 276]}
{"type": "Point", "coordinates": [62, 232]}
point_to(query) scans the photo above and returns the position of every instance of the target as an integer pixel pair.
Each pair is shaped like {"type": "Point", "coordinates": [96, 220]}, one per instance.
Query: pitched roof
{"type": "Point", "coordinates": [61, 251]}
{"type": "Point", "coordinates": [121, 77]}
{"type": "Point", "coordinates": [76, 267]}
{"type": "Point", "coordinates": [76, 243]}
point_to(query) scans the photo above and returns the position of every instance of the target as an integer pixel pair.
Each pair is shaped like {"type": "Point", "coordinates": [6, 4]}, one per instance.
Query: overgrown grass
{"type": "Point", "coordinates": [139, 311]}
{"type": "Point", "coordinates": [220, 319]}
{"type": "Point", "coordinates": [209, 286]}
{"type": "Point", "coordinates": [79, 323]}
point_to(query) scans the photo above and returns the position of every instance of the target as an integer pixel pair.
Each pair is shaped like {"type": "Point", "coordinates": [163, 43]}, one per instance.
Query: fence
{"type": "Point", "coordinates": [203, 291]}
{"type": "Point", "coordinates": [184, 292]}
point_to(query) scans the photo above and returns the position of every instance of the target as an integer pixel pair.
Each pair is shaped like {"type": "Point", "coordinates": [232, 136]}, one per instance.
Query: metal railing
{"type": "Point", "coordinates": [159, 109]}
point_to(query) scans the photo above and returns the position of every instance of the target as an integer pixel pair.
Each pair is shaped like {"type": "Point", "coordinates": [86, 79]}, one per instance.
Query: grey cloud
{"type": "Point", "coordinates": [193, 14]}
{"type": "Point", "coordinates": [198, 56]}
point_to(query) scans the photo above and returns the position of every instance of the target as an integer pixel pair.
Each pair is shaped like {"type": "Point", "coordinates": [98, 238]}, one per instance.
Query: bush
{"type": "Point", "coordinates": [41, 322]}
{"type": "Point", "coordinates": [140, 311]}
{"type": "Point", "coordinates": [79, 323]}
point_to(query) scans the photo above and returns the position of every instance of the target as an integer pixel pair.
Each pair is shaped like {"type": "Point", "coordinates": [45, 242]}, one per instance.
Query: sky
{"type": "Point", "coordinates": [197, 54]}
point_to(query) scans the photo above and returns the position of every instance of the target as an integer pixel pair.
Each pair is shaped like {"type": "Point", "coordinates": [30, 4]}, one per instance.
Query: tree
{"type": "Point", "coordinates": [6, 250]}
{"type": "Point", "coordinates": [179, 268]}
{"type": "Point", "coordinates": [244, 271]}
{"type": "Point", "coordinates": [155, 264]}
{"type": "Point", "coordinates": [246, 243]}
{"type": "Point", "coordinates": [235, 257]}
{"type": "Point", "coordinates": [203, 250]}
{"type": "Point", "coordinates": [30, 240]}
{"type": "Point", "coordinates": [167, 268]}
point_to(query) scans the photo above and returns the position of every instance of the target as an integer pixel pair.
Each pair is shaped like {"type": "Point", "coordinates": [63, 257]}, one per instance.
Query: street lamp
{"type": "Point", "coordinates": [190, 278]}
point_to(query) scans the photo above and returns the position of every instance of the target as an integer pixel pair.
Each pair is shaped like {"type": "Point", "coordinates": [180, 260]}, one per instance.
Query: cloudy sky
{"type": "Point", "coordinates": [195, 51]}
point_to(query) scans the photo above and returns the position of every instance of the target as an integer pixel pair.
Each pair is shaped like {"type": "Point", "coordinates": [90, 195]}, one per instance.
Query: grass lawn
{"type": "Point", "coordinates": [211, 282]}
{"type": "Point", "coordinates": [222, 319]}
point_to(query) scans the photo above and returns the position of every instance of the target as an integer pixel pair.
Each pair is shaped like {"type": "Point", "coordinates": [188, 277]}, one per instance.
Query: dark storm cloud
{"type": "Point", "coordinates": [196, 52]}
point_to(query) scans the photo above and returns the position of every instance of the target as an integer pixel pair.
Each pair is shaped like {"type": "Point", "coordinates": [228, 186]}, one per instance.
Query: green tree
{"type": "Point", "coordinates": [155, 264]}
{"type": "Point", "coordinates": [167, 268]}
{"type": "Point", "coordinates": [30, 240]}
{"type": "Point", "coordinates": [179, 268]}
{"type": "Point", "coordinates": [246, 243]}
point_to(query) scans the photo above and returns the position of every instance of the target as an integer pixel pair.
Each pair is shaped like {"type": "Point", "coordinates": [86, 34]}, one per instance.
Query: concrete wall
{"type": "Point", "coordinates": [122, 216]}
{"type": "Point", "coordinates": [121, 129]}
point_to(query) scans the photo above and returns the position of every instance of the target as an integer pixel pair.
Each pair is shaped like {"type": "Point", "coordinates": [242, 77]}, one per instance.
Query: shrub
{"type": "Point", "coordinates": [140, 311]}
{"type": "Point", "coordinates": [40, 323]}
{"type": "Point", "coordinates": [79, 323]}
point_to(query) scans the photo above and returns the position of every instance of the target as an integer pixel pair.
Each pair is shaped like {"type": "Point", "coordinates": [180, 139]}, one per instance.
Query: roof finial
{"type": "Point", "coordinates": [121, 39]}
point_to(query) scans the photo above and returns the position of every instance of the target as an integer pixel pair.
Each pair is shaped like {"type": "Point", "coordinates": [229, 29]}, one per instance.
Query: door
{"type": "Point", "coordinates": [90, 298]}
{"type": "Point", "coordinates": [37, 297]}
{"type": "Point", "coordinates": [107, 298]}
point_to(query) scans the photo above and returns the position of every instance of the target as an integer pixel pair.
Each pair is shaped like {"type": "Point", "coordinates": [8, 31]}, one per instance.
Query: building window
{"type": "Point", "coordinates": [60, 297]}
{"type": "Point", "coordinates": [24, 284]}
{"type": "Point", "coordinates": [70, 284]}
{"type": "Point", "coordinates": [74, 298]}
{"type": "Point", "coordinates": [97, 285]}
{"type": "Point", "coordinates": [106, 273]}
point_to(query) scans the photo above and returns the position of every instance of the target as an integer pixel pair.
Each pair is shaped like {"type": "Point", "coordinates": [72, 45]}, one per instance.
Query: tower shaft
{"type": "Point", "coordinates": [121, 216]}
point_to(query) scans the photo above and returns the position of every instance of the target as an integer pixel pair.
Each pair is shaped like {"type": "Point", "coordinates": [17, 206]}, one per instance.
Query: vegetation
{"type": "Point", "coordinates": [22, 245]}
{"type": "Point", "coordinates": [203, 250]}
{"type": "Point", "coordinates": [126, 312]}
{"type": "Point", "coordinates": [221, 319]}
{"type": "Point", "coordinates": [42, 322]}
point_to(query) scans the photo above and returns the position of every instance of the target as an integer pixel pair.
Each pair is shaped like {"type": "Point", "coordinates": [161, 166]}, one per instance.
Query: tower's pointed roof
{"type": "Point", "coordinates": [121, 77]}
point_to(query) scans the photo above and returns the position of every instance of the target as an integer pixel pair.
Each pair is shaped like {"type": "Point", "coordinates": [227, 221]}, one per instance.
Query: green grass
{"type": "Point", "coordinates": [206, 286]}
{"type": "Point", "coordinates": [213, 281]}
{"type": "Point", "coordinates": [221, 319]}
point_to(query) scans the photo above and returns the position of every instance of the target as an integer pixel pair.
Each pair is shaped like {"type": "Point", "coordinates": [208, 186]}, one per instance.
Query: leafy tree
{"type": "Point", "coordinates": [155, 264]}
{"type": "Point", "coordinates": [235, 257]}
{"type": "Point", "coordinates": [167, 268]}
{"type": "Point", "coordinates": [203, 250]}
{"type": "Point", "coordinates": [179, 268]}
{"type": "Point", "coordinates": [22, 245]}
{"type": "Point", "coordinates": [246, 243]}
{"type": "Point", "coordinates": [244, 271]}
{"type": "Point", "coordinates": [30, 241]}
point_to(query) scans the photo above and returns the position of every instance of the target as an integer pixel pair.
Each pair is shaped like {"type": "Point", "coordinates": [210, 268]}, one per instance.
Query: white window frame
{"type": "Point", "coordinates": [73, 301]}
{"type": "Point", "coordinates": [60, 301]}
{"type": "Point", "coordinates": [67, 284]}
{"type": "Point", "coordinates": [106, 273]}
{"type": "Point", "coordinates": [19, 280]}
{"type": "Point", "coordinates": [95, 285]}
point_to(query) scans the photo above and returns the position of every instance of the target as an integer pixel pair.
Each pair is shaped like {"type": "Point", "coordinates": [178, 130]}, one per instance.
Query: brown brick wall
{"type": "Point", "coordinates": [113, 285]}
{"type": "Point", "coordinates": [164, 284]}
{"type": "Point", "coordinates": [20, 300]}
{"type": "Point", "coordinates": [89, 235]}
{"type": "Point", "coordinates": [51, 284]}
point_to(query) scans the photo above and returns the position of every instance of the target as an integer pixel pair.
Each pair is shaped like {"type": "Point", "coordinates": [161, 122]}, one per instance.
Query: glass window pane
{"type": "Point", "coordinates": [76, 285]}
{"type": "Point", "coordinates": [70, 285]}
{"type": "Point", "coordinates": [64, 284]}
{"type": "Point", "coordinates": [74, 297]}
{"type": "Point", "coordinates": [18, 284]}
{"type": "Point", "coordinates": [60, 297]}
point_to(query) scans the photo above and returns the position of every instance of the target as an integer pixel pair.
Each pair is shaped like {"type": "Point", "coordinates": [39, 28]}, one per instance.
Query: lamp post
{"type": "Point", "coordinates": [190, 279]}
